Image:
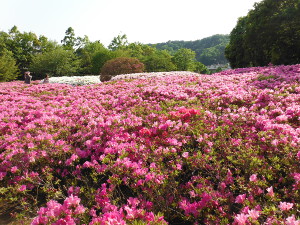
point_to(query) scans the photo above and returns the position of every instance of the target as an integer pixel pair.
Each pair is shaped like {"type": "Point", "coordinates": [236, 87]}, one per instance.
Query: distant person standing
{"type": "Point", "coordinates": [46, 79]}
{"type": "Point", "coordinates": [27, 77]}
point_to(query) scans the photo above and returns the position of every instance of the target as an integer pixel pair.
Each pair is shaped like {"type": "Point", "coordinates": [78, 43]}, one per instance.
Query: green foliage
{"type": "Point", "coordinates": [118, 42]}
{"type": "Point", "coordinates": [214, 55]}
{"type": "Point", "coordinates": [8, 68]}
{"type": "Point", "coordinates": [24, 46]}
{"type": "Point", "coordinates": [235, 50]}
{"type": "Point", "coordinates": [140, 51]}
{"type": "Point", "coordinates": [208, 50]}
{"type": "Point", "coordinates": [201, 68]}
{"type": "Point", "coordinates": [122, 65]}
{"type": "Point", "coordinates": [88, 57]}
{"type": "Point", "coordinates": [69, 40]}
{"type": "Point", "coordinates": [265, 77]}
{"type": "Point", "coordinates": [159, 61]}
{"type": "Point", "coordinates": [58, 62]}
{"type": "Point", "coordinates": [184, 59]}
{"type": "Point", "coordinates": [269, 33]}
{"type": "Point", "coordinates": [154, 60]}
{"type": "Point", "coordinates": [79, 56]}
{"type": "Point", "coordinates": [100, 57]}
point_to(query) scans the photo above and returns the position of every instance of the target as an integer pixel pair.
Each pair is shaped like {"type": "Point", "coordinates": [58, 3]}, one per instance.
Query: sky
{"type": "Point", "coordinates": [144, 21]}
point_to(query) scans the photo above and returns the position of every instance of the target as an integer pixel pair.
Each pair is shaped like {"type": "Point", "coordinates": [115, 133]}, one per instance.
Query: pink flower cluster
{"type": "Point", "coordinates": [177, 148]}
{"type": "Point", "coordinates": [60, 214]}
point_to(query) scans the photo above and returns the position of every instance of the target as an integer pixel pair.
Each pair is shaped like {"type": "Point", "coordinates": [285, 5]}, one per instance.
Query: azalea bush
{"type": "Point", "coordinates": [166, 149]}
{"type": "Point", "coordinates": [120, 65]}
{"type": "Point", "coordinates": [76, 80]}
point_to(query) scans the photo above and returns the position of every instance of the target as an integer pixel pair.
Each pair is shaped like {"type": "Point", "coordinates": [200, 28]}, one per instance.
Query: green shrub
{"type": "Point", "coordinates": [120, 65]}
{"type": "Point", "coordinates": [8, 68]}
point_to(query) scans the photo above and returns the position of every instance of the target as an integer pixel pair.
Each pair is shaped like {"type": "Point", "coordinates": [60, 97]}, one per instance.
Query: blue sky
{"type": "Point", "coordinates": [145, 21]}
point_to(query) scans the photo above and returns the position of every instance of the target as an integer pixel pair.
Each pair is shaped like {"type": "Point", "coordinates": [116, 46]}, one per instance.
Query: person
{"type": "Point", "coordinates": [27, 77]}
{"type": "Point", "coordinates": [46, 80]}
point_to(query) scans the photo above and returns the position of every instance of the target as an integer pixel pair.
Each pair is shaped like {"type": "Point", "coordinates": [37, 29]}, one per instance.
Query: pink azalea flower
{"type": "Point", "coordinates": [254, 214]}
{"type": "Point", "coordinates": [14, 169]}
{"type": "Point", "coordinates": [79, 210]}
{"type": "Point", "coordinates": [253, 178]}
{"type": "Point", "coordinates": [296, 177]}
{"type": "Point", "coordinates": [285, 206]}
{"type": "Point", "coordinates": [275, 142]}
{"type": "Point", "coordinates": [185, 154]}
{"type": "Point", "coordinates": [241, 219]}
{"type": "Point", "coordinates": [178, 166]}
{"type": "Point", "coordinates": [270, 191]}
{"type": "Point", "coordinates": [22, 188]}
{"type": "Point", "coordinates": [292, 221]}
{"type": "Point", "coordinates": [240, 198]}
{"type": "Point", "coordinates": [192, 194]}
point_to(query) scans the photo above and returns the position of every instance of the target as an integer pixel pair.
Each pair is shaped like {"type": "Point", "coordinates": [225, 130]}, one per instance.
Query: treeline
{"type": "Point", "coordinates": [270, 33]}
{"type": "Point", "coordinates": [80, 56]}
{"type": "Point", "coordinates": [208, 50]}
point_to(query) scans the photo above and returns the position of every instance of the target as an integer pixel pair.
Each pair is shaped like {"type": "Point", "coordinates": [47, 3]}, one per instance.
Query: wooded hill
{"type": "Point", "coordinates": [208, 50]}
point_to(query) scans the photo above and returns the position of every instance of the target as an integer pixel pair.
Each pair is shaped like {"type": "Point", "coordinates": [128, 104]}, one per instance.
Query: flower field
{"type": "Point", "coordinates": [172, 149]}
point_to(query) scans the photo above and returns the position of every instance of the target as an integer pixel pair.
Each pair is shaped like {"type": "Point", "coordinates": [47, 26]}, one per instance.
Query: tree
{"type": "Point", "coordinates": [201, 68]}
{"type": "Point", "coordinates": [140, 50]}
{"type": "Point", "coordinates": [159, 61]}
{"type": "Point", "coordinates": [118, 42]}
{"type": "Point", "coordinates": [81, 42]}
{"type": "Point", "coordinates": [213, 55]}
{"type": "Point", "coordinates": [235, 51]}
{"type": "Point", "coordinates": [102, 56]}
{"type": "Point", "coordinates": [185, 59]}
{"type": "Point", "coordinates": [58, 62]}
{"type": "Point", "coordinates": [69, 40]}
{"type": "Point", "coordinates": [24, 46]}
{"type": "Point", "coordinates": [45, 44]}
{"type": "Point", "coordinates": [269, 33]}
{"type": "Point", "coordinates": [8, 68]}
{"type": "Point", "coordinates": [3, 41]}
{"type": "Point", "coordinates": [216, 43]}
{"type": "Point", "coordinates": [86, 54]}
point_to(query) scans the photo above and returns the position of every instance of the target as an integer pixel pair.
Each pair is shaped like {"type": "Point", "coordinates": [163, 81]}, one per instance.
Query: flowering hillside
{"type": "Point", "coordinates": [171, 149]}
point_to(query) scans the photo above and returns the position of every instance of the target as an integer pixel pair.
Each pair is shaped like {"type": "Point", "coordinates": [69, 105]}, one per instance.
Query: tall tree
{"type": "Point", "coordinates": [270, 33]}
{"type": "Point", "coordinates": [118, 42]}
{"type": "Point", "coordinates": [69, 40]}
{"type": "Point", "coordinates": [140, 50]}
{"type": "Point", "coordinates": [24, 46]}
{"type": "Point", "coordinates": [235, 51]}
{"type": "Point", "coordinates": [8, 68]}
{"type": "Point", "coordinates": [86, 55]}
{"type": "Point", "coordinates": [58, 62]}
{"type": "Point", "coordinates": [102, 56]}
{"type": "Point", "coordinates": [185, 59]}
{"type": "Point", "coordinates": [159, 61]}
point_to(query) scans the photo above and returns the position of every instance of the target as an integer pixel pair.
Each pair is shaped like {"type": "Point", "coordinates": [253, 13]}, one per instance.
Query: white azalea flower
{"type": "Point", "coordinates": [76, 80]}
{"type": "Point", "coordinates": [152, 74]}
{"type": "Point", "coordinates": [95, 79]}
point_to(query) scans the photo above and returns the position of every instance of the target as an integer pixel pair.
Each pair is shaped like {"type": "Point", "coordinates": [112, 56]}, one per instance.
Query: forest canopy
{"type": "Point", "coordinates": [270, 33]}
{"type": "Point", "coordinates": [209, 50]}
